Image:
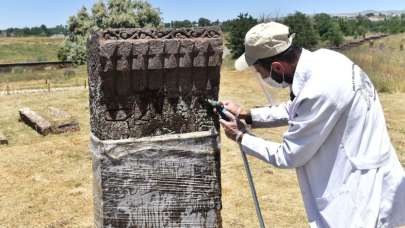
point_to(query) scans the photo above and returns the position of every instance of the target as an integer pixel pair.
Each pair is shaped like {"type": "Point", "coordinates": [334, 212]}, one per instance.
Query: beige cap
{"type": "Point", "coordinates": [263, 41]}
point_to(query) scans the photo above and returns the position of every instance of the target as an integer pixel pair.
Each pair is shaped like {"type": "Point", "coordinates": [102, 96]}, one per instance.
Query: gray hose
{"type": "Point", "coordinates": [252, 187]}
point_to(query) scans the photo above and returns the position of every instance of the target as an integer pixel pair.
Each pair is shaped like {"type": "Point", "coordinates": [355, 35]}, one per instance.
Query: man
{"type": "Point", "coordinates": [337, 140]}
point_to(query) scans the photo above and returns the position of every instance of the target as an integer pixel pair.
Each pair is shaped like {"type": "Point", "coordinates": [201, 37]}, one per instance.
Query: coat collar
{"type": "Point", "coordinates": [303, 71]}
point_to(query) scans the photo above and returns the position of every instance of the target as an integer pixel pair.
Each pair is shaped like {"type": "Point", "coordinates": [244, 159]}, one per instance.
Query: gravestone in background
{"type": "Point", "coordinates": [155, 143]}
{"type": "Point", "coordinates": [3, 139]}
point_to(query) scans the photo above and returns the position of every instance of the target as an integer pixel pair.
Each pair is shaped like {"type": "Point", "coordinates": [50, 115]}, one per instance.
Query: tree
{"type": "Point", "coordinates": [347, 26]}
{"type": "Point", "coordinates": [181, 24]}
{"type": "Point", "coordinates": [302, 25]}
{"type": "Point", "coordinates": [204, 22]}
{"type": "Point", "coordinates": [237, 32]}
{"type": "Point", "coordinates": [323, 23]}
{"type": "Point", "coordinates": [334, 35]}
{"type": "Point", "coordinates": [112, 14]}
{"type": "Point", "coordinates": [329, 28]}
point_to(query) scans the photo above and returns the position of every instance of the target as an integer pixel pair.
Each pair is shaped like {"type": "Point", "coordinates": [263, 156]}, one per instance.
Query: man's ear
{"type": "Point", "coordinates": [277, 67]}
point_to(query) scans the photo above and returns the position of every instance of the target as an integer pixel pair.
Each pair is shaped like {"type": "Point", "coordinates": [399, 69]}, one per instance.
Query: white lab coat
{"type": "Point", "coordinates": [337, 140]}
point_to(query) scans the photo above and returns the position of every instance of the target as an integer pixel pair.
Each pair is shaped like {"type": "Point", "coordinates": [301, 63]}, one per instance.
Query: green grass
{"type": "Point", "coordinates": [33, 49]}
{"type": "Point", "coordinates": [29, 49]}
{"type": "Point", "coordinates": [39, 79]}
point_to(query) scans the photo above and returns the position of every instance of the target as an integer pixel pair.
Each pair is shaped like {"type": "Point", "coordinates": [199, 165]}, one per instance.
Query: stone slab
{"type": "Point", "coordinates": [3, 139]}
{"type": "Point", "coordinates": [61, 121]}
{"type": "Point", "coordinates": [49, 121]}
{"type": "Point", "coordinates": [36, 121]}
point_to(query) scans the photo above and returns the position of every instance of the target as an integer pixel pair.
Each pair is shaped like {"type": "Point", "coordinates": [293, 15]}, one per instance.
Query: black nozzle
{"type": "Point", "coordinates": [219, 108]}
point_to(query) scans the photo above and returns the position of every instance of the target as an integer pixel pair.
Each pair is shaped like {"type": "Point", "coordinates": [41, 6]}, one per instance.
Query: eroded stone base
{"type": "Point", "coordinates": [162, 181]}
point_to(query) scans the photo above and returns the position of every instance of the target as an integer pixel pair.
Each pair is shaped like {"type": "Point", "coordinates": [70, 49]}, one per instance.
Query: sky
{"type": "Point", "coordinates": [21, 13]}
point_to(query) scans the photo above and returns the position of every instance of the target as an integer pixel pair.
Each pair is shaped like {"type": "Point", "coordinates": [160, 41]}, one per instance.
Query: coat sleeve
{"type": "Point", "coordinates": [312, 121]}
{"type": "Point", "coordinates": [267, 117]}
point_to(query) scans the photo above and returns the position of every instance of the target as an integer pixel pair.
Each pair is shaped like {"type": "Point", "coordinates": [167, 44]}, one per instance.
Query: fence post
{"type": "Point", "coordinates": [85, 84]}
{"type": "Point", "coordinates": [8, 89]}
{"type": "Point", "coordinates": [49, 87]}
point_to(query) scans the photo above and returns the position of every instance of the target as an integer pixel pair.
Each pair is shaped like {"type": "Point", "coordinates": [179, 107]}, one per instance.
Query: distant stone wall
{"type": "Point", "coordinates": [155, 143]}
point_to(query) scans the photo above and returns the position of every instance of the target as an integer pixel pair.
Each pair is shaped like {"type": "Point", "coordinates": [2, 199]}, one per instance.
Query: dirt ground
{"type": "Point", "coordinates": [47, 181]}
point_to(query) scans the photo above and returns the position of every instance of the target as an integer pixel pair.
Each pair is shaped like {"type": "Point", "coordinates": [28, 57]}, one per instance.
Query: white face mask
{"type": "Point", "coordinates": [270, 81]}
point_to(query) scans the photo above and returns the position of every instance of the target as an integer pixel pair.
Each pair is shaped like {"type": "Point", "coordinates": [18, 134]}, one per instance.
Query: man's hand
{"type": "Point", "coordinates": [233, 128]}
{"type": "Point", "coordinates": [235, 109]}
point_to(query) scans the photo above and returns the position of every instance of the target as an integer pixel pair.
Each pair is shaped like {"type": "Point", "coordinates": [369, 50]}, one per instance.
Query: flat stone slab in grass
{"type": "Point", "coordinates": [50, 120]}
{"type": "Point", "coordinates": [3, 139]}
{"type": "Point", "coordinates": [36, 121]}
{"type": "Point", "coordinates": [61, 121]}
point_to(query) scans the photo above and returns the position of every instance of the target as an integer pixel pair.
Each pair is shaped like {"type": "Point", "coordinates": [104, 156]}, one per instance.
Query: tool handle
{"type": "Point", "coordinates": [221, 113]}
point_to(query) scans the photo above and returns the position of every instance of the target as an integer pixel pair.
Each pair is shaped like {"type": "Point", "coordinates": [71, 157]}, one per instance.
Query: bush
{"type": "Point", "coordinates": [73, 51]}
{"type": "Point", "coordinates": [114, 14]}
{"type": "Point", "coordinates": [237, 32]}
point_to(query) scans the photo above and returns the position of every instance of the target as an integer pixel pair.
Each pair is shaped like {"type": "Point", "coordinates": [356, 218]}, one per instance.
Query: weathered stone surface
{"type": "Point", "coordinates": [3, 139]}
{"type": "Point", "coordinates": [51, 120]}
{"type": "Point", "coordinates": [155, 144]}
{"type": "Point", "coordinates": [36, 121]}
{"type": "Point", "coordinates": [61, 121]}
{"type": "Point", "coordinates": [162, 181]}
{"type": "Point", "coordinates": [153, 82]}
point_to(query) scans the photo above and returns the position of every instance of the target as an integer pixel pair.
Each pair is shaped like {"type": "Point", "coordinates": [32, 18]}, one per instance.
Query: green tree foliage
{"type": "Point", "coordinates": [302, 25]}
{"type": "Point", "coordinates": [334, 35]}
{"type": "Point", "coordinates": [59, 29]}
{"type": "Point", "coordinates": [180, 24]}
{"type": "Point", "coordinates": [109, 14]}
{"type": "Point", "coordinates": [226, 25]}
{"type": "Point", "coordinates": [34, 31]}
{"type": "Point", "coordinates": [323, 23]}
{"type": "Point", "coordinates": [347, 26]}
{"type": "Point", "coordinates": [204, 22]}
{"type": "Point", "coordinates": [237, 32]}
{"type": "Point", "coordinates": [328, 28]}
{"type": "Point", "coordinates": [395, 24]}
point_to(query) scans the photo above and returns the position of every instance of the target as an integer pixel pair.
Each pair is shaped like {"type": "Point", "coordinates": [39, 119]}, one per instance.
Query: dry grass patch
{"type": "Point", "coordinates": [384, 62]}
{"type": "Point", "coordinates": [47, 181]}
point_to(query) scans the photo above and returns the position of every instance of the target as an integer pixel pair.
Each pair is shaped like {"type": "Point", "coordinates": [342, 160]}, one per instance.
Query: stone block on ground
{"type": "Point", "coordinates": [3, 139]}
{"type": "Point", "coordinates": [49, 120]}
{"type": "Point", "coordinates": [61, 121]}
{"type": "Point", "coordinates": [35, 120]}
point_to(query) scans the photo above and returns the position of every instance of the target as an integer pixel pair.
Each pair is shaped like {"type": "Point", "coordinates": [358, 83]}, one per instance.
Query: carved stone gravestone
{"type": "Point", "coordinates": [155, 143]}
